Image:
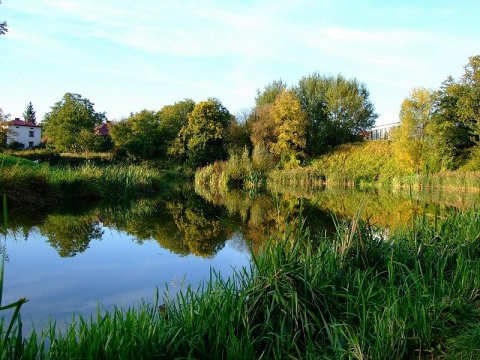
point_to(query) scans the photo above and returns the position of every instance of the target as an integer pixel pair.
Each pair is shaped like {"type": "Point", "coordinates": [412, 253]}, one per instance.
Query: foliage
{"type": "Point", "coordinates": [411, 139]}
{"type": "Point", "coordinates": [15, 146]}
{"type": "Point", "coordinates": [30, 184]}
{"type": "Point", "coordinates": [202, 140]}
{"type": "Point", "coordinates": [469, 103]}
{"type": "Point", "coordinates": [70, 234]}
{"type": "Point", "coordinates": [69, 122]}
{"type": "Point", "coordinates": [138, 136]}
{"type": "Point", "coordinates": [29, 114]}
{"type": "Point", "coordinates": [4, 131]}
{"type": "Point", "coordinates": [355, 163]}
{"type": "Point", "coordinates": [290, 122]}
{"type": "Point", "coordinates": [337, 110]}
{"type": "Point", "coordinates": [172, 119]}
{"type": "Point", "coordinates": [237, 137]}
{"type": "Point", "coordinates": [263, 132]}
{"type": "Point", "coordinates": [270, 93]}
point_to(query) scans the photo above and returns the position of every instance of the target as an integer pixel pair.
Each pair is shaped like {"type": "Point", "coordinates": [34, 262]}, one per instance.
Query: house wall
{"type": "Point", "coordinates": [382, 132]}
{"type": "Point", "coordinates": [22, 134]}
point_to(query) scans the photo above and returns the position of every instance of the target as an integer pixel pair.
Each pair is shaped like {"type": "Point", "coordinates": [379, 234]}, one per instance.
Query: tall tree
{"type": "Point", "coordinates": [260, 123]}
{"type": "Point", "coordinates": [262, 127]}
{"type": "Point", "coordinates": [290, 120]}
{"type": "Point", "coordinates": [453, 136]}
{"type": "Point", "coordinates": [172, 119]}
{"type": "Point", "coordinates": [469, 102]}
{"type": "Point", "coordinates": [138, 135]}
{"type": "Point", "coordinates": [411, 139]}
{"type": "Point", "coordinates": [270, 93]}
{"type": "Point", "coordinates": [338, 109]}
{"type": "Point", "coordinates": [29, 114]}
{"type": "Point", "coordinates": [64, 124]}
{"type": "Point", "coordinates": [202, 140]}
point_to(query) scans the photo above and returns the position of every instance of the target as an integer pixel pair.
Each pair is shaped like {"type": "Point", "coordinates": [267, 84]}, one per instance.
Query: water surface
{"type": "Point", "coordinates": [73, 259]}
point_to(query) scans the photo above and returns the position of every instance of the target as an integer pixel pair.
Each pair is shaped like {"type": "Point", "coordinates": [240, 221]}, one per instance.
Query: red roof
{"type": "Point", "coordinates": [102, 129]}
{"type": "Point", "coordinates": [18, 122]}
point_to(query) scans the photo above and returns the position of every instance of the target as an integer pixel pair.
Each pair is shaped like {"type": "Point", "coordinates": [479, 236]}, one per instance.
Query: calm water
{"type": "Point", "coordinates": [66, 261]}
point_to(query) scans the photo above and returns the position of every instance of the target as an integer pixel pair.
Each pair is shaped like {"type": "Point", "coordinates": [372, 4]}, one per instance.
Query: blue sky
{"type": "Point", "coordinates": [125, 56]}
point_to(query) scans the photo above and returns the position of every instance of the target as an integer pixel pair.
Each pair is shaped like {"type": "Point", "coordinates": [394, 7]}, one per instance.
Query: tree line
{"type": "Point", "coordinates": [440, 129]}
{"type": "Point", "coordinates": [289, 123]}
{"type": "Point", "coordinates": [287, 126]}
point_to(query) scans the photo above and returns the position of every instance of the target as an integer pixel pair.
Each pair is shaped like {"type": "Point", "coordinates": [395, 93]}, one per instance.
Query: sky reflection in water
{"type": "Point", "coordinates": [114, 271]}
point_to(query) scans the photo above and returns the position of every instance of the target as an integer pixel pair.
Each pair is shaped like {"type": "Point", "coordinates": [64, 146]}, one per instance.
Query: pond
{"type": "Point", "coordinates": [74, 258]}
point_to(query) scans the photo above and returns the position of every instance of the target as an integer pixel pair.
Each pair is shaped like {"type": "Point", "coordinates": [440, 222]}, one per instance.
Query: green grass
{"type": "Point", "coordinates": [27, 183]}
{"type": "Point", "coordinates": [359, 295]}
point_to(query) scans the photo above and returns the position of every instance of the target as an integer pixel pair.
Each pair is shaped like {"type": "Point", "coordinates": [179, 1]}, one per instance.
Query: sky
{"type": "Point", "coordinates": [126, 56]}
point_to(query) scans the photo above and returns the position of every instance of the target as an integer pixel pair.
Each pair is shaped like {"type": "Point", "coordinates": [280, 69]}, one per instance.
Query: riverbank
{"type": "Point", "coordinates": [28, 183]}
{"type": "Point", "coordinates": [360, 294]}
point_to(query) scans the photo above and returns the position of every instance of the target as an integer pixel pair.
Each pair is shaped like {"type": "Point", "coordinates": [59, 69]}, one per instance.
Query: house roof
{"type": "Point", "coordinates": [18, 122]}
{"type": "Point", "coordinates": [102, 129]}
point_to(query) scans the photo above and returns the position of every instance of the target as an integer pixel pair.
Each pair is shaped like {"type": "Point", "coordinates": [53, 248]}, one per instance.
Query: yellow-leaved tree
{"type": "Point", "coordinates": [290, 121]}
{"type": "Point", "coordinates": [411, 139]}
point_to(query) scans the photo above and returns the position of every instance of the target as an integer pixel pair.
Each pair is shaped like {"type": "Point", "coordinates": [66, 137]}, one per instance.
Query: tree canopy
{"type": "Point", "coordinates": [338, 109]}
{"type": "Point", "coordinates": [70, 121]}
{"type": "Point", "coordinates": [202, 139]}
{"type": "Point", "coordinates": [138, 135]}
{"type": "Point", "coordinates": [270, 93]}
{"type": "Point", "coordinates": [415, 122]}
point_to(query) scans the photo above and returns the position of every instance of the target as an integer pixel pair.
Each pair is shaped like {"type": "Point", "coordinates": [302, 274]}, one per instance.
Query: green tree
{"type": "Point", "coordinates": [29, 114]}
{"type": "Point", "coordinates": [172, 119]}
{"type": "Point", "coordinates": [202, 140]}
{"type": "Point", "coordinates": [338, 109]}
{"type": "Point", "coordinates": [238, 133]}
{"type": "Point", "coordinates": [138, 135]}
{"type": "Point", "coordinates": [453, 136]}
{"type": "Point", "coordinates": [411, 139]}
{"type": "Point", "coordinates": [469, 101]}
{"type": "Point", "coordinates": [64, 123]}
{"type": "Point", "coordinates": [4, 130]}
{"type": "Point", "coordinates": [270, 93]}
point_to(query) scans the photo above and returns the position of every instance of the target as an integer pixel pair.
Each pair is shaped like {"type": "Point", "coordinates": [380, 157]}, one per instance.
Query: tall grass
{"type": "Point", "coordinates": [370, 164]}
{"type": "Point", "coordinates": [30, 184]}
{"type": "Point", "coordinates": [356, 296]}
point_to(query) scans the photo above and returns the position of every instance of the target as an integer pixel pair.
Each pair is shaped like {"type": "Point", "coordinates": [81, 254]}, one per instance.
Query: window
{"type": "Point", "coordinates": [31, 133]}
{"type": "Point", "coordinates": [30, 144]}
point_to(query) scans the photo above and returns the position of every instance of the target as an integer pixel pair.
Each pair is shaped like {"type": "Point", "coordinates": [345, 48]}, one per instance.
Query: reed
{"type": "Point", "coordinates": [32, 184]}
{"type": "Point", "coordinates": [357, 295]}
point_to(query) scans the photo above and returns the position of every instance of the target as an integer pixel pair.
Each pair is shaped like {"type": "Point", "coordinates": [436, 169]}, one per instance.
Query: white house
{"type": "Point", "coordinates": [25, 133]}
{"type": "Point", "coordinates": [381, 132]}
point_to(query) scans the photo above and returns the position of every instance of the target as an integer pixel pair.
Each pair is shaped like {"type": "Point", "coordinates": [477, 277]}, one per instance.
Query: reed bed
{"type": "Point", "coordinates": [28, 183]}
{"type": "Point", "coordinates": [358, 295]}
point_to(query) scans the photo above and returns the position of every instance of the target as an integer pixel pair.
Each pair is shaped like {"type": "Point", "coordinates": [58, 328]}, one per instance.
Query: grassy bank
{"type": "Point", "coordinates": [371, 164]}
{"type": "Point", "coordinates": [356, 296]}
{"type": "Point", "coordinates": [28, 183]}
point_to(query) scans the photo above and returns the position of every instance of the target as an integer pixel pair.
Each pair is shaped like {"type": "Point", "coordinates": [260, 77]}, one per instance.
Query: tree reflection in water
{"type": "Point", "coordinates": [200, 223]}
{"type": "Point", "coordinates": [70, 234]}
